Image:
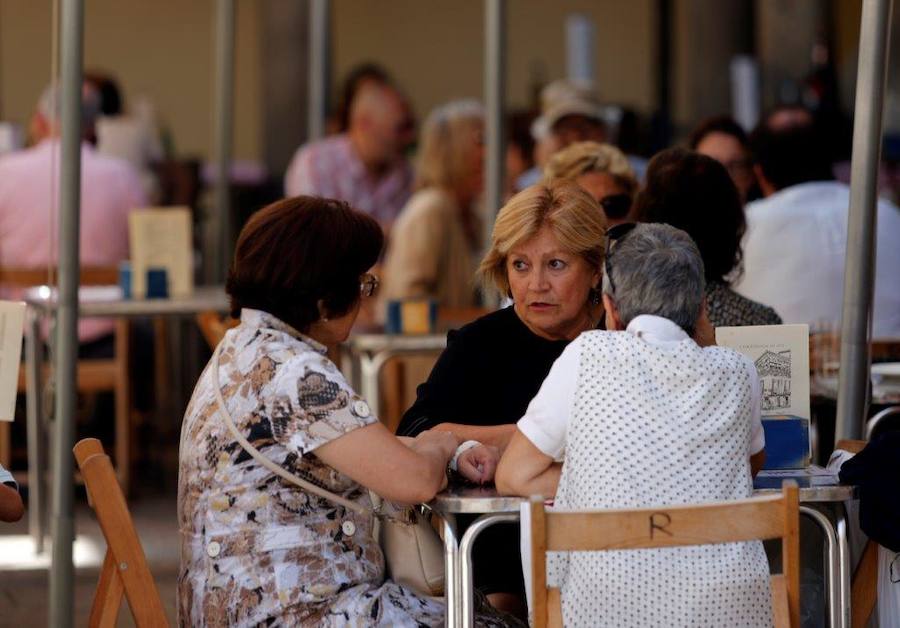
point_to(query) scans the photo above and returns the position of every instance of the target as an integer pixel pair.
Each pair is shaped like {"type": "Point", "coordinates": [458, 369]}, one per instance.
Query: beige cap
{"type": "Point", "coordinates": [565, 98]}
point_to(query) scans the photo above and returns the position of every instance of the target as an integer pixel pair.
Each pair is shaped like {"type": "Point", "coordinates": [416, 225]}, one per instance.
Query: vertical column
{"type": "Point", "coordinates": [62, 525]}
{"type": "Point", "coordinates": [285, 66]}
{"type": "Point", "coordinates": [318, 68]}
{"type": "Point", "coordinates": [224, 116]}
{"type": "Point", "coordinates": [859, 271]}
{"type": "Point", "coordinates": [494, 96]}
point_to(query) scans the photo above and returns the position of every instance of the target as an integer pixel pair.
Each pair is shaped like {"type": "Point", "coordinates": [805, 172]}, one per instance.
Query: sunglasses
{"type": "Point", "coordinates": [368, 284]}
{"type": "Point", "coordinates": [614, 235]}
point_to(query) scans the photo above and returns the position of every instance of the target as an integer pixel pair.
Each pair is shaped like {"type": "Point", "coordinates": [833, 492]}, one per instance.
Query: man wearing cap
{"type": "Point", "coordinates": [570, 112]}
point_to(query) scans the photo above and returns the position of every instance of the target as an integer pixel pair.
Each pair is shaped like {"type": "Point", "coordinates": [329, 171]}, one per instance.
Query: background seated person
{"type": "Point", "coordinates": [643, 418]}
{"type": "Point", "coordinates": [601, 169]}
{"type": "Point", "coordinates": [546, 253]}
{"type": "Point", "coordinates": [433, 242]}
{"type": "Point", "coordinates": [693, 192]}
{"type": "Point", "coordinates": [257, 549]}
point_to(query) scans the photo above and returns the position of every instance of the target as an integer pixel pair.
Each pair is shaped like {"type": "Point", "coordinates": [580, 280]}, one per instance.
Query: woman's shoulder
{"type": "Point", "coordinates": [728, 308]}
{"type": "Point", "coordinates": [427, 203]}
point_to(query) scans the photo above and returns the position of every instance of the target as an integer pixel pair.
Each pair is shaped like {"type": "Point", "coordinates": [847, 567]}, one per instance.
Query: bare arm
{"type": "Point", "coordinates": [11, 507]}
{"type": "Point", "coordinates": [526, 470]}
{"type": "Point", "coordinates": [494, 435]}
{"type": "Point", "coordinates": [409, 471]}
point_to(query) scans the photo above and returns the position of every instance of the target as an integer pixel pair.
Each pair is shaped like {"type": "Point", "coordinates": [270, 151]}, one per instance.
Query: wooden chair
{"type": "Point", "coordinates": [95, 375]}
{"type": "Point", "coordinates": [213, 327]}
{"type": "Point", "coordinates": [125, 567]}
{"type": "Point", "coordinates": [758, 518]}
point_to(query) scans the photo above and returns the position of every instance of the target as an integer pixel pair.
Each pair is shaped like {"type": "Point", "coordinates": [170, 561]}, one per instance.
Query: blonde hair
{"type": "Point", "coordinates": [446, 138]}
{"type": "Point", "coordinates": [584, 157]}
{"type": "Point", "coordinates": [573, 216]}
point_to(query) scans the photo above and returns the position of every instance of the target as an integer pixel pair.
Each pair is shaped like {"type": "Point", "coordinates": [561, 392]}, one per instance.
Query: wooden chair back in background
{"type": "Point", "coordinates": [758, 518]}
{"type": "Point", "coordinates": [94, 375]}
{"type": "Point", "coordinates": [125, 570]}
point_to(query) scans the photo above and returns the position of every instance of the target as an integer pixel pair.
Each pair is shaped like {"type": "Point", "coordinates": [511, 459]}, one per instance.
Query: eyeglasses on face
{"type": "Point", "coordinates": [368, 284]}
{"type": "Point", "coordinates": [613, 236]}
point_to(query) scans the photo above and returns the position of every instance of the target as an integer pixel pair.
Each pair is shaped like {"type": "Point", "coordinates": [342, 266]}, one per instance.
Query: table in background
{"type": "Point", "coordinates": [367, 353]}
{"type": "Point", "coordinates": [495, 508]}
{"type": "Point", "coordinates": [203, 299]}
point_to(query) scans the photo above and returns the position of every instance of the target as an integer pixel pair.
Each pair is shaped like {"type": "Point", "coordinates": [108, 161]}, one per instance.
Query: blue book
{"type": "Point", "coordinates": [787, 442]}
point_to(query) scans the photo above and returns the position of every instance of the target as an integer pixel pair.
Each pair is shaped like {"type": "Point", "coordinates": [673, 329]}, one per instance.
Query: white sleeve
{"type": "Point", "coordinates": [757, 436]}
{"type": "Point", "coordinates": [546, 420]}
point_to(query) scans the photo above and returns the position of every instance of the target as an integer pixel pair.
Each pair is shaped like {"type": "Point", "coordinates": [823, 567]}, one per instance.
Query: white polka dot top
{"type": "Point", "coordinates": [653, 419]}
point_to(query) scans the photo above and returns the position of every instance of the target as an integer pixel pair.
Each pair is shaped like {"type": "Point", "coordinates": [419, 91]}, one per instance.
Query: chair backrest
{"type": "Point", "coordinates": [125, 567]}
{"type": "Point", "coordinates": [213, 327]}
{"type": "Point", "coordinates": [758, 518]}
{"type": "Point", "coordinates": [26, 277]}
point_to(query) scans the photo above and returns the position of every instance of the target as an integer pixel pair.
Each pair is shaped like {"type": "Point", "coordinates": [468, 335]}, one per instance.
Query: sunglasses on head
{"type": "Point", "coordinates": [614, 235]}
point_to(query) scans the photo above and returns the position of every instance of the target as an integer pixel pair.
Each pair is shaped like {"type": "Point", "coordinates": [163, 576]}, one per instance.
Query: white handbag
{"type": "Point", "coordinates": [413, 552]}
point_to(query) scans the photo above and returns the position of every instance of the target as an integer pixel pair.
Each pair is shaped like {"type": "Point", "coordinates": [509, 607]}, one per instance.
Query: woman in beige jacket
{"type": "Point", "coordinates": [433, 243]}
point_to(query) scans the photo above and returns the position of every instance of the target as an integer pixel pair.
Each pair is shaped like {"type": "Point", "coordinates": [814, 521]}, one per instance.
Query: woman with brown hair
{"type": "Point", "coordinates": [256, 549]}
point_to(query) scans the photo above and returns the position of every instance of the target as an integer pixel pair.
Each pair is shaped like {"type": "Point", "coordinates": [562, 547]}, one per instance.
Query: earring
{"type": "Point", "coordinates": [594, 296]}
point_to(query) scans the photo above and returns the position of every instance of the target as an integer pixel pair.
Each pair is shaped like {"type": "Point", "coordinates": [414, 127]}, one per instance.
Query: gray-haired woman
{"type": "Point", "coordinates": [644, 416]}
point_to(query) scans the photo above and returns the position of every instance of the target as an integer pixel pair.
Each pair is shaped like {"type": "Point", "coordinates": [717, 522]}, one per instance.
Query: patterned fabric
{"type": "Point", "coordinates": [330, 168]}
{"type": "Point", "coordinates": [256, 549]}
{"type": "Point", "coordinates": [657, 423]}
{"type": "Point", "coordinates": [727, 308]}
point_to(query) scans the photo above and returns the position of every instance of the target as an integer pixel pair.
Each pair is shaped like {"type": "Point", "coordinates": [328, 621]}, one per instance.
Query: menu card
{"type": "Point", "coordinates": [161, 238]}
{"type": "Point", "coordinates": [781, 356]}
{"type": "Point", "coordinates": [12, 320]}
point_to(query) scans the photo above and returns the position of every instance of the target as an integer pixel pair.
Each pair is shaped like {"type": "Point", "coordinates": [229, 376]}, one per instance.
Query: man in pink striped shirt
{"type": "Point", "coordinates": [29, 188]}
{"type": "Point", "coordinates": [364, 166]}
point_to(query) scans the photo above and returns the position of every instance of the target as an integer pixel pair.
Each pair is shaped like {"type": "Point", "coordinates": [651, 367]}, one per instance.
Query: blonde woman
{"type": "Point", "coordinates": [547, 255]}
{"type": "Point", "coordinates": [603, 171]}
{"type": "Point", "coordinates": [431, 252]}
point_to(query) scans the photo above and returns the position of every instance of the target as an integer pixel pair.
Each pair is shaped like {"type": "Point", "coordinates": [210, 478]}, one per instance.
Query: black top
{"type": "Point", "coordinates": [487, 375]}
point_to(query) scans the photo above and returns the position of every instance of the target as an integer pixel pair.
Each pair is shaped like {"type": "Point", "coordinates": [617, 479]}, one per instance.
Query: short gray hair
{"type": "Point", "coordinates": [656, 269]}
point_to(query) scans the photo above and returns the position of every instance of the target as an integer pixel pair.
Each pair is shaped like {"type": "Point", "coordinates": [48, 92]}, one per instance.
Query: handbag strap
{"type": "Point", "coordinates": [268, 464]}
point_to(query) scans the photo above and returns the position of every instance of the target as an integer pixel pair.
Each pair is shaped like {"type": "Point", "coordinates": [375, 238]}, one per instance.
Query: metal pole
{"type": "Point", "coordinates": [224, 117]}
{"type": "Point", "coordinates": [318, 68]}
{"type": "Point", "coordinates": [859, 273]}
{"type": "Point", "coordinates": [494, 95]}
{"type": "Point", "coordinates": [62, 571]}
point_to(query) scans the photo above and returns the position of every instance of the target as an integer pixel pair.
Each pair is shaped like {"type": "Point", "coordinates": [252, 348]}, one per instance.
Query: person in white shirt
{"type": "Point", "coordinates": [641, 418]}
{"type": "Point", "coordinates": [796, 242]}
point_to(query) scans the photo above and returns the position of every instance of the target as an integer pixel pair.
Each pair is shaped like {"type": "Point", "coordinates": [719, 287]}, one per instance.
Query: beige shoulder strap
{"type": "Point", "coordinates": [261, 459]}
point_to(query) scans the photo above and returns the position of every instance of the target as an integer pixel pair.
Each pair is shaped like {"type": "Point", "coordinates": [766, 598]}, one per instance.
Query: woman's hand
{"type": "Point", "coordinates": [478, 463]}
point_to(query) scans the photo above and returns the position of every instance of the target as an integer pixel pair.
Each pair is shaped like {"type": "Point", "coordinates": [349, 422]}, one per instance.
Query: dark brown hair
{"type": "Point", "coordinates": [694, 193]}
{"type": "Point", "coordinates": [298, 251]}
{"type": "Point", "coordinates": [718, 124]}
